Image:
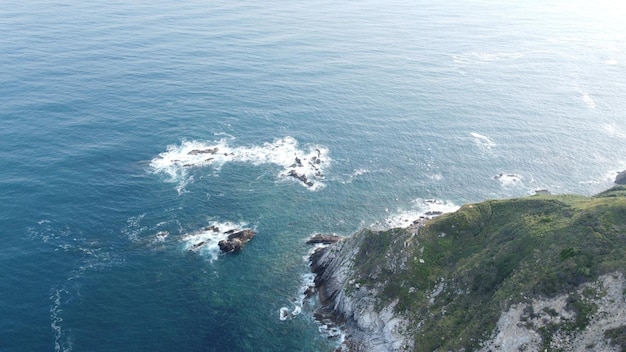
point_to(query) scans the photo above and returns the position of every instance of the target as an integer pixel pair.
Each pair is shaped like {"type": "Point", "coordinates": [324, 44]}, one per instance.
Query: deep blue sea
{"type": "Point", "coordinates": [391, 108]}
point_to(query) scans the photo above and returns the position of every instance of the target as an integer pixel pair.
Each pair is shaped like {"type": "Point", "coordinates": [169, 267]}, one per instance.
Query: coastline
{"type": "Point", "coordinates": [348, 304]}
{"type": "Point", "coordinates": [390, 290]}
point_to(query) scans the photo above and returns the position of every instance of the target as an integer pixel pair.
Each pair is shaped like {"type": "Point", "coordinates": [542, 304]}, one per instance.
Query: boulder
{"type": "Point", "coordinates": [236, 240]}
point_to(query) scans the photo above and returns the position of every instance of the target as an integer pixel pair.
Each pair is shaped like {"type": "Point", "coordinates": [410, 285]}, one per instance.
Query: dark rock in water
{"type": "Point", "coordinates": [301, 178]}
{"type": "Point", "coordinates": [433, 213]}
{"type": "Point", "coordinates": [621, 178]}
{"type": "Point", "coordinates": [310, 292]}
{"type": "Point", "coordinates": [323, 239]}
{"type": "Point", "coordinates": [541, 191]}
{"type": "Point", "coordinates": [298, 161]}
{"type": "Point", "coordinates": [317, 266]}
{"type": "Point", "coordinates": [230, 246]}
{"type": "Point", "coordinates": [197, 246]}
{"type": "Point", "coordinates": [203, 151]}
{"type": "Point", "coordinates": [236, 240]}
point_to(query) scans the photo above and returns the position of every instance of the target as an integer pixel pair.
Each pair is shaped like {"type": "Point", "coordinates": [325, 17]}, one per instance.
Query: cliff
{"type": "Point", "coordinates": [544, 272]}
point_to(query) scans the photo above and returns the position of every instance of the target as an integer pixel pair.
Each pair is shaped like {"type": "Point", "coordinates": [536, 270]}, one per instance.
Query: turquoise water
{"type": "Point", "coordinates": [402, 102]}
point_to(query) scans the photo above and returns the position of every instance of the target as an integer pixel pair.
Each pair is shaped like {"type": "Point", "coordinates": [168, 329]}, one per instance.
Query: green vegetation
{"type": "Point", "coordinates": [463, 269]}
{"type": "Point", "coordinates": [617, 336]}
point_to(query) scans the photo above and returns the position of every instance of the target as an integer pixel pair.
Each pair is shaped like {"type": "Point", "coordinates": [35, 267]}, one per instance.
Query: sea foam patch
{"type": "Point", "coordinates": [206, 240]}
{"type": "Point", "coordinates": [306, 286]}
{"type": "Point", "coordinates": [509, 180]}
{"type": "Point", "coordinates": [613, 130]}
{"type": "Point", "coordinates": [306, 166]}
{"type": "Point", "coordinates": [482, 141]}
{"type": "Point", "coordinates": [421, 209]}
{"type": "Point", "coordinates": [589, 101]}
{"type": "Point", "coordinates": [480, 57]}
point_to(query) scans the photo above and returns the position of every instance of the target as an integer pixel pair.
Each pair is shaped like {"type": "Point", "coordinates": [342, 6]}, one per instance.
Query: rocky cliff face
{"type": "Point", "coordinates": [370, 324]}
{"type": "Point", "coordinates": [542, 273]}
{"type": "Point", "coordinates": [556, 324]}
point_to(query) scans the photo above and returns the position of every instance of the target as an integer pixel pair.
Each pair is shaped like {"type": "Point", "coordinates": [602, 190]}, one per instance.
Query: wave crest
{"type": "Point", "coordinates": [305, 166]}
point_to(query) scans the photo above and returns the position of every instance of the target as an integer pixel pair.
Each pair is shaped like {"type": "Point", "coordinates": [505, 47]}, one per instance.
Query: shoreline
{"type": "Point", "coordinates": [353, 307]}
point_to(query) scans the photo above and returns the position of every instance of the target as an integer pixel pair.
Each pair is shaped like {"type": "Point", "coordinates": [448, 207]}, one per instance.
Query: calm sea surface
{"type": "Point", "coordinates": [390, 108]}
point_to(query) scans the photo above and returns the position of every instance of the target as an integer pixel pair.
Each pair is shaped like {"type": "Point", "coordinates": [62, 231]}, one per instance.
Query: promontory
{"type": "Point", "coordinates": [538, 273]}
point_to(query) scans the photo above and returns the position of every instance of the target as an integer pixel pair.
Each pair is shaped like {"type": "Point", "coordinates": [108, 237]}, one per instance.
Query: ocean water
{"type": "Point", "coordinates": [391, 108]}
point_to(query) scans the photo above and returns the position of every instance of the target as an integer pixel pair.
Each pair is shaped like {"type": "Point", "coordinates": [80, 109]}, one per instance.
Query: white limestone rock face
{"type": "Point", "coordinates": [517, 330]}
{"type": "Point", "coordinates": [368, 327]}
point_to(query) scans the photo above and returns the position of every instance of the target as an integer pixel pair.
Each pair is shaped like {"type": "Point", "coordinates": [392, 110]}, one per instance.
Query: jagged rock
{"type": "Point", "coordinates": [309, 292]}
{"type": "Point", "coordinates": [352, 306]}
{"type": "Point", "coordinates": [621, 178]}
{"type": "Point", "coordinates": [433, 213]}
{"type": "Point", "coordinates": [203, 151]}
{"type": "Point", "coordinates": [323, 239]}
{"type": "Point", "coordinates": [197, 246]}
{"type": "Point", "coordinates": [301, 178]}
{"type": "Point", "coordinates": [236, 240]}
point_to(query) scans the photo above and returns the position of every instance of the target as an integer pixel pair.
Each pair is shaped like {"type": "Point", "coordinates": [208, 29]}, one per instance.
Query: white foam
{"type": "Point", "coordinates": [356, 173]}
{"type": "Point", "coordinates": [588, 99]}
{"type": "Point", "coordinates": [161, 236]}
{"type": "Point", "coordinates": [55, 323]}
{"type": "Point", "coordinates": [613, 130]}
{"type": "Point", "coordinates": [481, 57]}
{"type": "Point", "coordinates": [611, 62]}
{"type": "Point", "coordinates": [608, 177]}
{"type": "Point", "coordinates": [133, 228]}
{"type": "Point", "coordinates": [509, 180]}
{"type": "Point", "coordinates": [206, 240]}
{"type": "Point", "coordinates": [436, 177]}
{"type": "Point", "coordinates": [307, 282]}
{"type": "Point", "coordinates": [420, 209]}
{"type": "Point", "coordinates": [305, 166]}
{"type": "Point", "coordinates": [483, 141]}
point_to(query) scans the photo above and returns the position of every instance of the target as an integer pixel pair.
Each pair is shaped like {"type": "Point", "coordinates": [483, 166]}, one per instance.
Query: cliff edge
{"type": "Point", "coordinates": [538, 273]}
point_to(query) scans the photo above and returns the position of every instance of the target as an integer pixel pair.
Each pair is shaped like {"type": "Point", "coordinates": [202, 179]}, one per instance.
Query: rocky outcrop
{"type": "Point", "coordinates": [532, 273]}
{"type": "Point", "coordinates": [236, 240]}
{"type": "Point", "coordinates": [620, 179]}
{"type": "Point", "coordinates": [203, 151]}
{"type": "Point", "coordinates": [354, 307]}
{"type": "Point", "coordinates": [555, 324]}
{"type": "Point", "coordinates": [323, 239]}
{"type": "Point", "coordinates": [300, 177]}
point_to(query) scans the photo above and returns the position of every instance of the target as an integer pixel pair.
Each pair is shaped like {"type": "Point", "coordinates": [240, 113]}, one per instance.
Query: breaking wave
{"type": "Point", "coordinates": [206, 240]}
{"type": "Point", "coordinates": [509, 180]}
{"type": "Point", "coordinates": [483, 141]}
{"type": "Point", "coordinates": [420, 209]}
{"type": "Point", "coordinates": [304, 166]}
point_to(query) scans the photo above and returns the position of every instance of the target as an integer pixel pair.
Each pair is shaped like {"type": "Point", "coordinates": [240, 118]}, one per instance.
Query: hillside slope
{"type": "Point", "coordinates": [449, 283]}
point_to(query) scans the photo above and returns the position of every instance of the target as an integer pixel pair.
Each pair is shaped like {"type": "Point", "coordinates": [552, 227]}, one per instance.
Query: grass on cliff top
{"type": "Point", "coordinates": [464, 268]}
